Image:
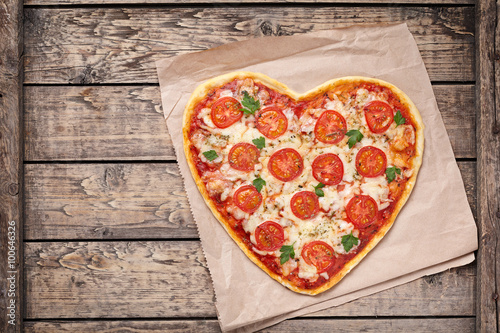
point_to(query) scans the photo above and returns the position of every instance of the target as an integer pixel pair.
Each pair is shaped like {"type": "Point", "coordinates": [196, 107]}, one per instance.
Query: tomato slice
{"type": "Point", "coordinates": [269, 236]}
{"type": "Point", "coordinates": [286, 164]}
{"type": "Point", "coordinates": [243, 156]}
{"type": "Point", "coordinates": [328, 169]}
{"type": "Point", "coordinates": [371, 162]}
{"type": "Point", "coordinates": [305, 205]}
{"type": "Point", "coordinates": [247, 198]}
{"type": "Point", "coordinates": [379, 116]}
{"type": "Point", "coordinates": [319, 254]}
{"type": "Point", "coordinates": [362, 210]}
{"type": "Point", "coordinates": [271, 122]}
{"type": "Point", "coordinates": [226, 111]}
{"type": "Point", "coordinates": [330, 127]}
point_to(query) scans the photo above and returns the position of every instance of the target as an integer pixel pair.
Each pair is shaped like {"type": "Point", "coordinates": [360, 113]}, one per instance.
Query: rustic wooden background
{"type": "Point", "coordinates": [109, 242]}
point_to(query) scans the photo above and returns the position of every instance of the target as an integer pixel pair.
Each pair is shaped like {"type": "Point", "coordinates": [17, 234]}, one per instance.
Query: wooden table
{"type": "Point", "coordinates": [103, 238]}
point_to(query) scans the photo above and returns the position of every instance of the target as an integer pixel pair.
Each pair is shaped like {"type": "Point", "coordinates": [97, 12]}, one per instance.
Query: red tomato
{"type": "Point", "coordinates": [379, 116]}
{"type": "Point", "coordinates": [319, 254]}
{"type": "Point", "coordinates": [371, 162]}
{"type": "Point", "coordinates": [269, 236]}
{"type": "Point", "coordinates": [243, 156]}
{"type": "Point", "coordinates": [271, 122]}
{"type": "Point", "coordinates": [226, 111]}
{"type": "Point", "coordinates": [362, 210]}
{"type": "Point", "coordinates": [328, 169]}
{"type": "Point", "coordinates": [247, 198]}
{"type": "Point", "coordinates": [286, 164]}
{"type": "Point", "coordinates": [305, 205]}
{"type": "Point", "coordinates": [330, 127]}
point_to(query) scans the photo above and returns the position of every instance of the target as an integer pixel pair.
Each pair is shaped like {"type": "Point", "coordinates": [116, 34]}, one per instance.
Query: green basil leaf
{"type": "Point", "coordinates": [259, 183]}
{"type": "Point", "coordinates": [287, 252]}
{"type": "Point", "coordinates": [259, 142]}
{"type": "Point", "coordinates": [354, 136]}
{"type": "Point", "coordinates": [250, 105]}
{"type": "Point", "coordinates": [348, 241]}
{"type": "Point", "coordinates": [399, 119]}
{"type": "Point", "coordinates": [210, 155]}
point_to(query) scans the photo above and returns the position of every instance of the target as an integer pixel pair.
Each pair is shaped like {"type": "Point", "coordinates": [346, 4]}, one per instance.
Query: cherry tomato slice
{"type": "Point", "coordinates": [226, 111]}
{"type": "Point", "coordinates": [243, 156]}
{"type": "Point", "coordinates": [305, 205]}
{"type": "Point", "coordinates": [362, 210]}
{"type": "Point", "coordinates": [286, 164]}
{"type": "Point", "coordinates": [371, 162]}
{"type": "Point", "coordinates": [271, 122]}
{"type": "Point", "coordinates": [269, 236]}
{"type": "Point", "coordinates": [379, 116]}
{"type": "Point", "coordinates": [330, 127]}
{"type": "Point", "coordinates": [247, 198]}
{"type": "Point", "coordinates": [318, 254]}
{"type": "Point", "coordinates": [328, 169]}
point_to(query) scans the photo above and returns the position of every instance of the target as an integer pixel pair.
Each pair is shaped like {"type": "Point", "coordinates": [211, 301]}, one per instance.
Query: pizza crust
{"type": "Point", "coordinates": [201, 92]}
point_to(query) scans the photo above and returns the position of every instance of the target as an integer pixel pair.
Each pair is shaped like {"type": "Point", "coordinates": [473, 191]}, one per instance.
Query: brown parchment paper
{"type": "Point", "coordinates": [434, 231]}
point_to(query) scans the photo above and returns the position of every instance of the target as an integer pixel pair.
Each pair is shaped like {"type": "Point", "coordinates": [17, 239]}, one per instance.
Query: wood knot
{"type": "Point", "coordinates": [433, 279]}
{"type": "Point", "coordinates": [496, 129]}
{"type": "Point", "coordinates": [266, 28]}
{"type": "Point", "coordinates": [13, 189]}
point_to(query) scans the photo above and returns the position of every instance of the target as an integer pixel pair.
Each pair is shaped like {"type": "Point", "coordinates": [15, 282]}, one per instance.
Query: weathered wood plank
{"type": "Point", "coordinates": [468, 172]}
{"type": "Point", "coordinates": [126, 123]}
{"type": "Point", "coordinates": [376, 325]}
{"type": "Point", "coordinates": [456, 104]}
{"type": "Point", "coordinates": [120, 201]}
{"type": "Point", "coordinates": [95, 123]}
{"type": "Point", "coordinates": [155, 280]}
{"type": "Point", "coordinates": [106, 201]}
{"type": "Point", "coordinates": [195, 2]}
{"type": "Point", "coordinates": [119, 45]}
{"type": "Point", "coordinates": [149, 326]}
{"type": "Point", "coordinates": [11, 179]}
{"type": "Point", "coordinates": [461, 297]}
{"type": "Point", "coordinates": [488, 159]}
{"type": "Point", "coordinates": [117, 280]}
{"type": "Point", "coordinates": [444, 325]}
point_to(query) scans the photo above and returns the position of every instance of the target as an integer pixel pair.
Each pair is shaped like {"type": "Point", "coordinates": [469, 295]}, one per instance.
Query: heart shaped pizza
{"type": "Point", "coordinates": [306, 185]}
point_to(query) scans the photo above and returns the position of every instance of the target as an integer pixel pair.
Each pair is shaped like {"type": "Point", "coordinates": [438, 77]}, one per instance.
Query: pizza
{"type": "Point", "coordinates": [305, 184]}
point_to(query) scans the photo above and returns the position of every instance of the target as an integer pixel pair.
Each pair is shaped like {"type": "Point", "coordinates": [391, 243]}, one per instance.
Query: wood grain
{"type": "Point", "coordinates": [106, 201]}
{"type": "Point", "coordinates": [121, 201]}
{"type": "Point", "coordinates": [155, 280]}
{"type": "Point", "coordinates": [117, 280]}
{"type": "Point", "coordinates": [196, 2]}
{"type": "Point", "coordinates": [95, 123]}
{"type": "Point", "coordinates": [11, 179]}
{"type": "Point", "coordinates": [488, 171]}
{"type": "Point", "coordinates": [120, 45]}
{"type": "Point", "coordinates": [456, 104]}
{"type": "Point", "coordinates": [126, 123]}
{"type": "Point", "coordinates": [444, 325]}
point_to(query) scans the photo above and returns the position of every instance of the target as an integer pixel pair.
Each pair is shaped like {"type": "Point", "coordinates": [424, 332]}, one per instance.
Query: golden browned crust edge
{"type": "Point", "coordinates": [200, 93]}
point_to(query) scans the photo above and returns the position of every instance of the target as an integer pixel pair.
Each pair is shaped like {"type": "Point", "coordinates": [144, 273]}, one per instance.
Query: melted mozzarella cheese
{"type": "Point", "coordinates": [307, 271]}
{"type": "Point", "coordinates": [378, 189]}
